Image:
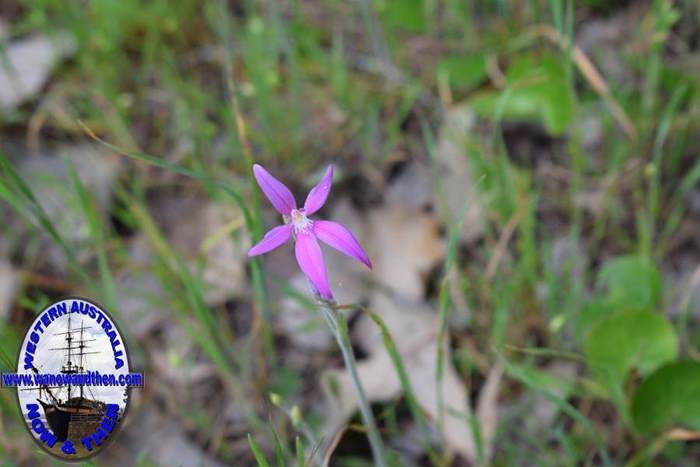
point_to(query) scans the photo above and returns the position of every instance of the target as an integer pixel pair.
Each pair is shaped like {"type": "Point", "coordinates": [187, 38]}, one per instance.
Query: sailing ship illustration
{"type": "Point", "coordinates": [72, 412]}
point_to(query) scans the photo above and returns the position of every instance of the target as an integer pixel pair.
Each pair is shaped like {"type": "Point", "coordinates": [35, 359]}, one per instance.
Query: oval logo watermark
{"type": "Point", "coordinates": [73, 379]}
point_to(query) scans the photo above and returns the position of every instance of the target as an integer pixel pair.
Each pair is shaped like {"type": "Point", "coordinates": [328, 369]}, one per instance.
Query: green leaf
{"type": "Point", "coordinates": [534, 90]}
{"type": "Point", "coordinates": [670, 396]}
{"type": "Point", "coordinates": [631, 282]}
{"type": "Point", "coordinates": [626, 340]}
{"type": "Point", "coordinates": [591, 314]}
{"type": "Point", "coordinates": [405, 14]}
{"type": "Point", "coordinates": [463, 70]}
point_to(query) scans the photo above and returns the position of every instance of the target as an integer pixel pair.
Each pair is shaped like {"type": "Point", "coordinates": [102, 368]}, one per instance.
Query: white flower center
{"type": "Point", "coordinates": [299, 220]}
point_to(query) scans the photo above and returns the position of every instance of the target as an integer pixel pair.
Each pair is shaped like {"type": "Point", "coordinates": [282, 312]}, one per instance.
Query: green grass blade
{"type": "Point", "coordinates": [443, 312]}
{"type": "Point", "coordinates": [259, 457]}
{"type": "Point", "coordinates": [20, 196]}
{"type": "Point", "coordinates": [299, 447]}
{"type": "Point", "coordinates": [95, 225]}
{"type": "Point", "coordinates": [410, 395]}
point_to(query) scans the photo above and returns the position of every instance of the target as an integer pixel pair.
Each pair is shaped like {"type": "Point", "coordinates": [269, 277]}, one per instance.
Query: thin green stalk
{"type": "Point", "coordinates": [339, 328]}
{"type": "Point", "coordinates": [301, 462]}
{"type": "Point", "coordinates": [257, 452]}
{"type": "Point", "coordinates": [655, 169]}
{"type": "Point", "coordinates": [300, 425]}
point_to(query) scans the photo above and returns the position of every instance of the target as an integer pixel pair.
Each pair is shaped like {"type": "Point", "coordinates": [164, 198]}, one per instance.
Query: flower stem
{"type": "Point", "coordinates": [336, 322]}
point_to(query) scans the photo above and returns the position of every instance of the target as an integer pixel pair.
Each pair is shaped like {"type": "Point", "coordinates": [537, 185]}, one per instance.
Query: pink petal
{"type": "Point", "coordinates": [318, 194]}
{"type": "Point", "coordinates": [279, 195]}
{"type": "Point", "coordinates": [310, 261]}
{"type": "Point", "coordinates": [340, 238]}
{"type": "Point", "coordinates": [272, 239]}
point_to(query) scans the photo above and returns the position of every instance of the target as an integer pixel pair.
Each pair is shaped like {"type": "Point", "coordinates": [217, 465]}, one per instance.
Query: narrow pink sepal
{"type": "Point", "coordinates": [318, 194]}
{"type": "Point", "coordinates": [279, 195]}
{"type": "Point", "coordinates": [340, 238]}
{"type": "Point", "coordinates": [272, 239]}
{"type": "Point", "coordinates": [310, 260]}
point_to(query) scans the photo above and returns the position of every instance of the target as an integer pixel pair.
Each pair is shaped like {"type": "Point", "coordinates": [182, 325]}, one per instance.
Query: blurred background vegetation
{"type": "Point", "coordinates": [523, 174]}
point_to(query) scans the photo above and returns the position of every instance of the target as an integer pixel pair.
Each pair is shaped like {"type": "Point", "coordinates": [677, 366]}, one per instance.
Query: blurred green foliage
{"type": "Point", "coordinates": [536, 88]}
{"type": "Point", "coordinates": [668, 398]}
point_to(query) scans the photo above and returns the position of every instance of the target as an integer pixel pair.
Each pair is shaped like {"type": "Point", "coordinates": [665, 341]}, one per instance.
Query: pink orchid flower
{"type": "Point", "coordinates": [305, 231]}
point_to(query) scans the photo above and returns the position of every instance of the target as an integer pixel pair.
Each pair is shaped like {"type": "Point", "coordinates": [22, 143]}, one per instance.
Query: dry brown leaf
{"type": "Point", "coordinates": [403, 245]}
{"type": "Point", "coordinates": [414, 329]}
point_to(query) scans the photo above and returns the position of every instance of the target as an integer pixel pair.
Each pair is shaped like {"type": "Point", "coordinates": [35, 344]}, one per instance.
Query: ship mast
{"type": "Point", "coordinates": [69, 368]}
{"type": "Point", "coordinates": [82, 346]}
